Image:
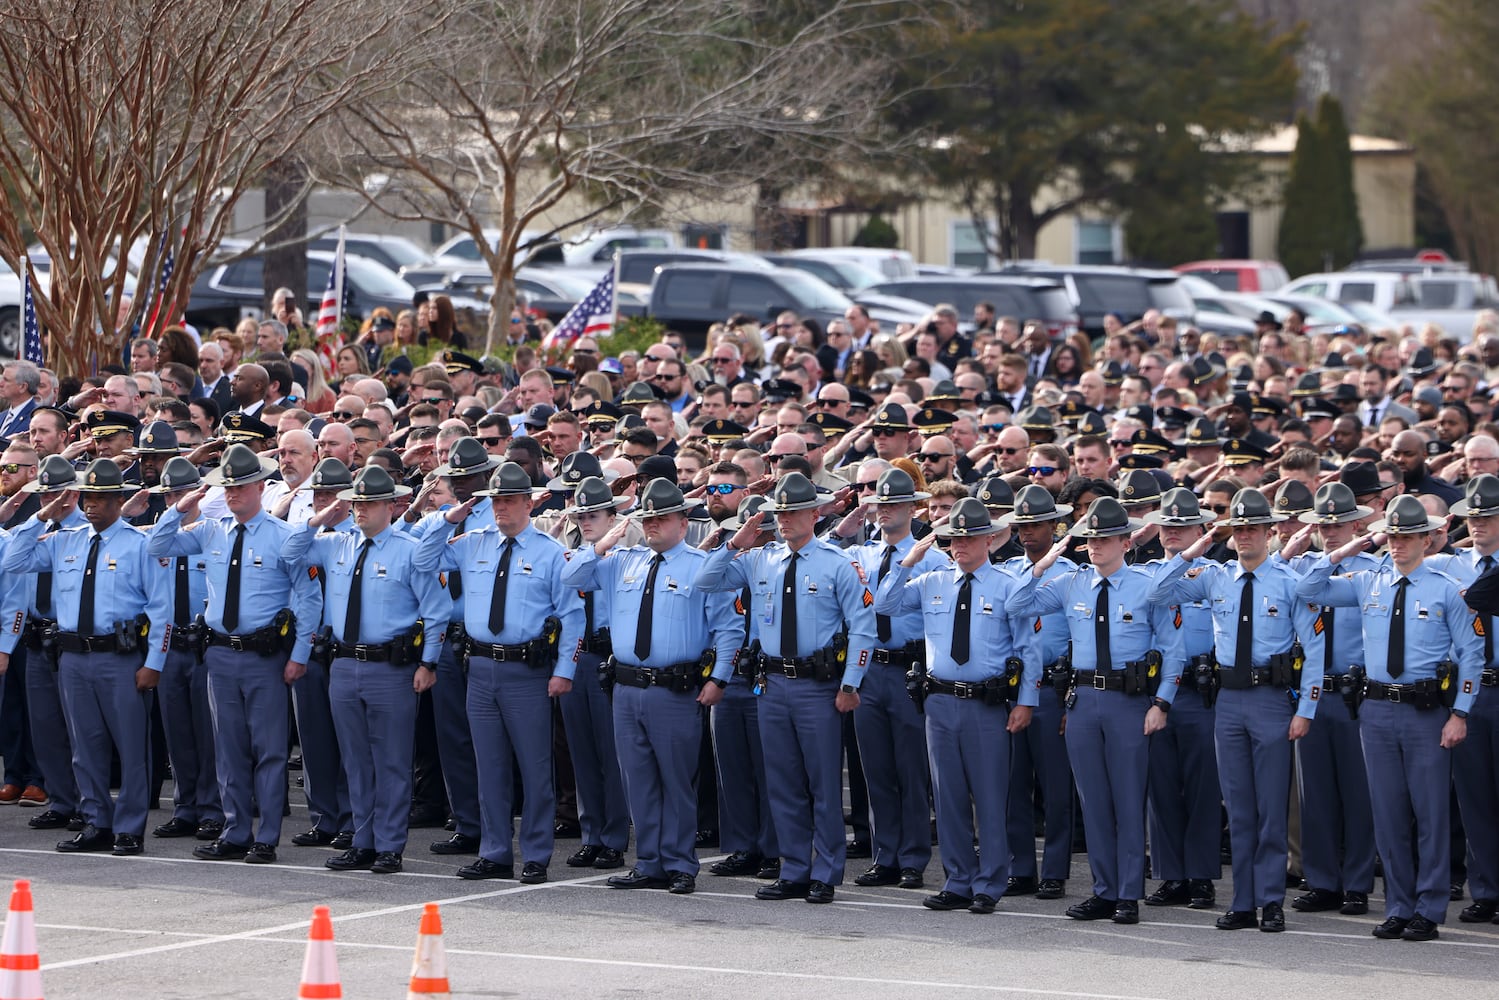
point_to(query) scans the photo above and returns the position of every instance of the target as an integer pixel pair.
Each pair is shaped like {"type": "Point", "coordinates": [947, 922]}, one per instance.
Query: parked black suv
{"type": "Point", "coordinates": [1023, 297]}
{"type": "Point", "coordinates": [1098, 290]}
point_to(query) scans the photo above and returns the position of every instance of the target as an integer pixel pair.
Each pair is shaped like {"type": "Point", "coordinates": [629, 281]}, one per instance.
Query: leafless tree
{"type": "Point", "coordinates": [141, 122]}
{"type": "Point", "coordinates": [513, 109]}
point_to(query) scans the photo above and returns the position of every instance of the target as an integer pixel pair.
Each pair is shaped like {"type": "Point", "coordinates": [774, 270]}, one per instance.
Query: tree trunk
{"type": "Point", "coordinates": [500, 306]}
{"type": "Point", "coordinates": [286, 265]}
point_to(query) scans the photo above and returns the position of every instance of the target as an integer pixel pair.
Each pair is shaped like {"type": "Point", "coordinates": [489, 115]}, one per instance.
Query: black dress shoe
{"type": "Point", "coordinates": [342, 840]}
{"type": "Point", "coordinates": [819, 892]}
{"type": "Point", "coordinates": [1355, 904]}
{"type": "Point", "coordinates": [770, 868]}
{"type": "Point", "coordinates": [609, 858]}
{"type": "Point", "coordinates": [859, 849]}
{"type": "Point", "coordinates": [458, 843]}
{"type": "Point", "coordinates": [566, 828]}
{"type": "Point", "coordinates": [680, 883]}
{"type": "Point", "coordinates": [982, 903]}
{"type": "Point", "coordinates": [126, 845]}
{"type": "Point", "coordinates": [1272, 918]}
{"type": "Point", "coordinates": [636, 879]}
{"type": "Point", "coordinates": [1021, 885]}
{"type": "Point", "coordinates": [878, 875]}
{"type": "Point", "coordinates": [1200, 894]}
{"type": "Point", "coordinates": [738, 863]}
{"type": "Point", "coordinates": [1092, 908]}
{"type": "Point", "coordinates": [221, 850]}
{"type": "Point", "coordinates": [355, 859]}
{"type": "Point", "coordinates": [484, 868]}
{"type": "Point", "coordinates": [1051, 888]}
{"type": "Point", "coordinates": [1235, 920]}
{"type": "Point", "coordinates": [706, 838]}
{"type": "Point", "coordinates": [1391, 929]}
{"type": "Point", "coordinates": [1172, 892]}
{"type": "Point", "coordinates": [1480, 911]}
{"type": "Point", "coordinates": [1457, 890]}
{"type": "Point", "coordinates": [386, 863]}
{"type": "Point", "coordinates": [210, 829]}
{"type": "Point", "coordinates": [911, 878]}
{"type": "Point", "coordinates": [533, 873]}
{"type": "Point", "coordinates": [584, 856]}
{"type": "Point", "coordinates": [422, 817]}
{"type": "Point", "coordinates": [76, 823]}
{"type": "Point", "coordinates": [176, 827]}
{"type": "Point", "coordinates": [1127, 911]}
{"type": "Point", "coordinates": [294, 762]}
{"type": "Point", "coordinates": [314, 838]}
{"type": "Point", "coordinates": [261, 854]}
{"type": "Point", "coordinates": [90, 838]}
{"type": "Point", "coordinates": [1294, 881]}
{"type": "Point", "coordinates": [49, 820]}
{"type": "Point", "coordinates": [782, 889]}
{"type": "Point", "coordinates": [1318, 901]}
{"type": "Point", "coordinates": [945, 900]}
{"type": "Point", "coordinates": [1419, 929]}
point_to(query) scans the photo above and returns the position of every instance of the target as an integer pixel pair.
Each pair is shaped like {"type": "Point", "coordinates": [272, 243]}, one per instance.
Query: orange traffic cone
{"type": "Point", "coordinates": [429, 969]}
{"type": "Point", "coordinates": [20, 968]}
{"type": "Point", "coordinates": [320, 967]}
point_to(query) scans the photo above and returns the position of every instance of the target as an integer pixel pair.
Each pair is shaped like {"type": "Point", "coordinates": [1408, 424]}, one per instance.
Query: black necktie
{"type": "Point", "coordinates": [647, 612]}
{"type": "Point", "coordinates": [86, 596]}
{"type": "Point", "coordinates": [1329, 621]}
{"type": "Point", "coordinates": [1244, 645]}
{"type": "Point", "coordinates": [44, 583]}
{"type": "Point", "coordinates": [788, 608]}
{"type": "Point", "coordinates": [882, 622]}
{"type": "Point", "coordinates": [1485, 565]}
{"type": "Point", "coordinates": [355, 610]}
{"type": "Point", "coordinates": [1397, 630]}
{"type": "Point", "coordinates": [501, 585]}
{"type": "Point", "coordinates": [182, 610]}
{"type": "Point", "coordinates": [587, 596]}
{"type": "Point", "coordinates": [231, 588]}
{"type": "Point", "coordinates": [1103, 657]}
{"type": "Point", "coordinates": [455, 578]}
{"type": "Point", "coordinates": [962, 621]}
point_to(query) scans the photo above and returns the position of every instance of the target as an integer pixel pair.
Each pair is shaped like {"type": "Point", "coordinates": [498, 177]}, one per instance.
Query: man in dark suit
{"type": "Point", "coordinates": [211, 371]}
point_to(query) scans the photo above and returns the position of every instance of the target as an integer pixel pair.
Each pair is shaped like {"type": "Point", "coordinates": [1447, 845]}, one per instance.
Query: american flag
{"type": "Point", "coordinates": [330, 313]}
{"type": "Point", "coordinates": [168, 265]}
{"type": "Point", "coordinates": [32, 333]}
{"type": "Point", "coordinates": [592, 317]}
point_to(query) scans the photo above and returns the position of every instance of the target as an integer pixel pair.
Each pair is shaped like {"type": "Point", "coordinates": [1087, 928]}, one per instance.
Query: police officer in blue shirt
{"type": "Point", "coordinates": [1184, 797]}
{"type": "Point", "coordinates": [808, 601]}
{"type": "Point", "coordinates": [662, 625]}
{"type": "Point", "coordinates": [107, 592]}
{"type": "Point", "coordinates": [976, 694]}
{"type": "Point", "coordinates": [1267, 697]}
{"type": "Point", "coordinates": [1337, 844]}
{"type": "Point", "coordinates": [261, 614]}
{"type": "Point", "coordinates": [1038, 755]}
{"type": "Point", "coordinates": [892, 744]}
{"type": "Point", "coordinates": [512, 585]}
{"type": "Point", "coordinates": [1416, 706]}
{"type": "Point", "coordinates": [29, 610]}
{"type": "Point", "coordinates": [1126, 658]}
{"type": "Point", "coordinates": [387, 623]}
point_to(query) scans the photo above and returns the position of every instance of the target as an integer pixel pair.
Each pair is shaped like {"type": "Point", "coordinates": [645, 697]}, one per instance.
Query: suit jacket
{"type": "Point", "coordinates": [1387, 408]}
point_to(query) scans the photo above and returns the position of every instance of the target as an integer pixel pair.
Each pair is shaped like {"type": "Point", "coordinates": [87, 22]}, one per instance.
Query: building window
{"type": "Point", "coordinates": [967, 246]}
{"type": "Point", "coordinates": [1098, 241]}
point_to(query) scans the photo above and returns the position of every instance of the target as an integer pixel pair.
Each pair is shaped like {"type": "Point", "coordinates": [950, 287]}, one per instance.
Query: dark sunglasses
{"type": "Point", "coordinates": [1218, 508]}
{"type": "Point", "coordinates": [887, 432]}
{"type": "Point", "coordinates": [866, 487]}
{"type": "Point", "coordinates": [493, 442]}
{"type": "Point", "coordinates": [1041, 470]}
{"type": "Point", "coordinates": [773, 459]}
{"type": "Point", "coordinates": [1120, 444]}
{"type": "Point", "coordinates": [345, 415]}
{"type": "Point", "coordinates": [1010, 451]}
{"type": "Point", "coordinates": [931, 456]}
{"type": "Point", "coordinates": [663, 377]}
{"type": "Point", "coordinates": [724, 361]}
{"type": "Point", "coordinates": [434, 400]}
{"type": "Point", "coordinates": [724, 489]}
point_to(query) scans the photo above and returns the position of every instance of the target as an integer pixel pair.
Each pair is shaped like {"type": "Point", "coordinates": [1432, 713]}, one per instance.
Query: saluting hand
{"type": "Point", "coordinates": [1198, 548]}
{"type": "Point", "coordinates": [1049, 560]}
{"type": "Point", "coordinates": [57, 508]}
{"type": "Point", "coordinates": [919, 550]}
{"type": "Point", "coordinates": [611, 537]}
{"type": "Point", "coordinates": [331, 514]}
{"type": "Point", "coordinates": [460, 513]}
{"type": "Point", "coordinates": [1298, 543]}
{"type": "Point", "coordinates": [1354, 547]}
{"type": "Point", "coordinates": [136, 505]}
{"type": "Point", "coordinates": [748, 532]}
{"type": "Point", "coordinates": [188, 505]}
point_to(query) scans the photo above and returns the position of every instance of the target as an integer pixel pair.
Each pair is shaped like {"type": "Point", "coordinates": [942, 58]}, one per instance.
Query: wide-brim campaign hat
{"type": "Point", "coordinates": [1293, 498]}
{"type": "Point", "coordinates": [1036, 418]}
{"type": "Point", "coordinates": [996, 494]}
{"type": "Point", "coordinates": [157, 438]}
{"type": "Point", "coordinates": [659, 498]}
{"type": "Point", "coordinates": [968, 518]}
{"type": "Point", "coordinates": [1204, 371]}
{"type": "Point", "coordinates": [593, 494]}
{"type": "Point", "coordinates": [374, 483]}
{"type": "Point", "coordinates": [637, 394]}
{"type": "Point", "coordinates": [748, 508]}
{"type": "Point", "coordinates": [240, 427]}
{"type": "Point", "coordinates": [1334, 503]}
{"type": "Point", "coordinates": [104, 423]}
{"type": "Point", "coordinates": [177, 474]}
{"type": "Point", "coordinates": [1179, 508]}
{"type": "Point", "coordinates": [1480, 497]}
{"type": "Point", "coordinates": [330, 474]}
{"type": "Point", "coordinates": [1406, 516]}
{"type": "Point", "coordinates": [794, 492]}
{"type": "Point", "coordinates": [240, 466]}
{"type": "Point", "coordinates": [1250, 506]}
{"type": "Point", "coordinates": [509, 480]}
{"type": "Point", "coordinates": [1363, 478]}
{"type": "Point", "coordinates": [895, 486]}
{"type": "Point", "coordinates": [1033, 505]}
{"type": "Point", "coordinates": [1105, 519]}
{"type": "Point", "coordinates": [467, 457]}
{"type": "Point", "coordinates": [55, 475]}
{"type": "Point", "coordinates": [104, 476]}
{"type": "Point", "coordinates": [578, 466]}
{"type": "Point", "coordinates": [1137, 488]}
{"type": "Point", "coordinates": [945, 391]}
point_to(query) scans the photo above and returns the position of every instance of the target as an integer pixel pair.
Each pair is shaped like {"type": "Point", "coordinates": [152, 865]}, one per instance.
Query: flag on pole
{"type": "Point", "coordinates": [592, 317]}
{"type": "Point", "coordinates": [168, 265]}
{"type": "Point", "coordinates": [31, 332]}
{"type": "Point", "coordinates": [330, 313]}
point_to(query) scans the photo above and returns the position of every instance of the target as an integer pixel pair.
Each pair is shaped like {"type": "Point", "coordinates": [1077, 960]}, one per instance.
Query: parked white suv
{"type": "Point", "coordinates": [1384, 290]}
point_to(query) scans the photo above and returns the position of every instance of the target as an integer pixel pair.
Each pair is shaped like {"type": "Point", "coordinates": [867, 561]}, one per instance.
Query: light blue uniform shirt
{"type": "Point", "coordinates": [126, 578]}
{"type": "Point", "coordinates": [268, 581]}
{"type": "Point", "coordinates": [535, 590]}
{"type": "Point", "coordinates": [481, 517]}
{"type": "Point", "coordinates": [993, 635]}
{"type": "Point", "coordinates": [393, 594]}
{"type": "Point", "coordinates": [1051, 630]}
{"type": "Point", "coordinates": [685, 619]}
{"type": "Point", "coordinates": [1196, 616]}
{"type": "Point", "coordinates": [906, 624]}
{"type": "Point", "coordinates": [1438, 624]}
{"type": "Point", "coordinates": [1347, 632]}
{"type": "Point", "coordinates": [828, 595]}
{"type": "Point", "coordinates": [1135, 627]}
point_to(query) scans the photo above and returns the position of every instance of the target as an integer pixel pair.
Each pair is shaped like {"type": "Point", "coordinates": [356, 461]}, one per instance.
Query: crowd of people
{"type": "Point", "coordinates": [1183, 601]}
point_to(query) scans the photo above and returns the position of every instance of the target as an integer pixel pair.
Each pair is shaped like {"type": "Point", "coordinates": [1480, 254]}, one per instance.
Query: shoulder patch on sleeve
{"type": "Point", "coordinates": [1478, 628]}
{"type": "Point", "coordinates": [868, 598]}
{"type": "Point", "coordinates": [312, 572]}
{"type": "Point", "coordinates": [1037, 626]}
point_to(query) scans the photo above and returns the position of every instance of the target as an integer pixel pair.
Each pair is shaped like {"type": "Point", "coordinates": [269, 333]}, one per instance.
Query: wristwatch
{"type": "Point", "coordinates": [1458, 713]}
{"type": "Point", "coordinates": [848, 689]}
{"type": "Point", "coordinates": [1161, 703]}
{"type": "Point", "coordinates": [430, 666]}
{"type": "Point", "coordinates": [721, 683]}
